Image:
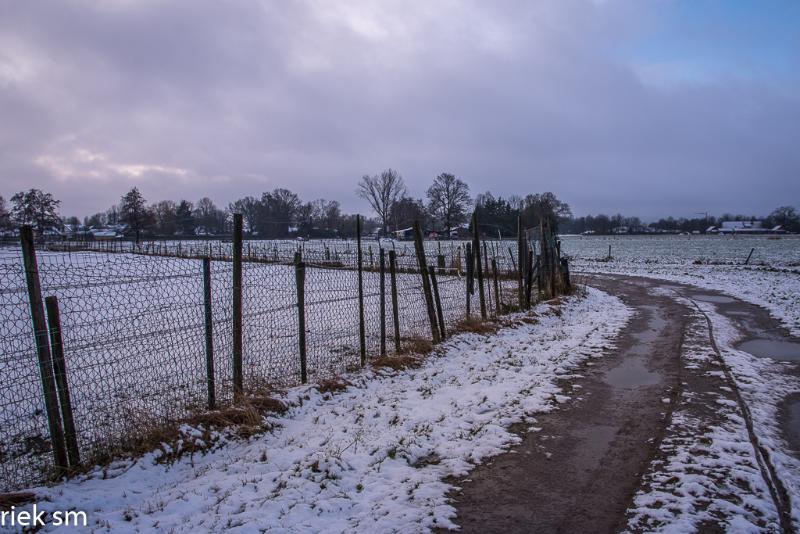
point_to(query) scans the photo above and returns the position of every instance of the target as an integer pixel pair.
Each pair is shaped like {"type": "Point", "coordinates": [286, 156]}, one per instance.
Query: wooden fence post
{"type": "Point", "coordinates": [487, 275]}
{"type": "Point", "coordinates": [43, 349]}
{"type": "Point", "coordinates": [529, 280]}
{"type": "Point", "coordinates": [238, 378]}
{"type": "Point", "coordinates": [300, 278]}
{"type": "Point", "coordinates": [362, 335]}
{"type": "Point", "coordinates": [438, 301]}
{"type": "Point", "coordinates": [520, 262]}
{"type": "Point", "coordinates": [470, 267]}
{"type": "Point", "coordinates": [209, 324]}
{"type": "Point", "coordinates": [60, 371]}
{"type": "Point", "coordinates": [395, 307]}
{"type": "Point", "coordinates": [426, 283]}
{"type": "Point", "coordinates": [382, 266]}
{"type": "Point", "coordinates": [476, 250]}
{"type": "Point", "coordinates": [497, 303]}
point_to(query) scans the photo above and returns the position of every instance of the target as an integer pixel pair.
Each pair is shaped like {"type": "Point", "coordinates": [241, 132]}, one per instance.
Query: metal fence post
{"type": "Point", "coordinates": [362, 335]}
{"type": "Point", "coordinates": [426, 283]}
{"type": "Point", "coordinates": [209, 324]}
{"type": "Point", "coordinates": [60, 371]}
{"type": "Point", "coordinates": [238, 379]}
{"type": "Point", "coordinates": [395, 307]}
{"type": "Point", "coordinates": [382, 262]}
{"type": "Point", "coordinates": [43, 348]}
{"type": "Point", "coordinates": [300, 277]}
{"type": "Point", "coordinates": [438, 301]}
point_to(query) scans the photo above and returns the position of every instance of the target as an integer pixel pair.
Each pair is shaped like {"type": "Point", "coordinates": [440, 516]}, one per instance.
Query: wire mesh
{"type": "Point", "coordinates": [133, 327]}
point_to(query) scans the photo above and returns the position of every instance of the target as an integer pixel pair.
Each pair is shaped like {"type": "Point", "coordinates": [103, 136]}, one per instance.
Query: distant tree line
{"type": "Point", "coordinates": [281, 213]}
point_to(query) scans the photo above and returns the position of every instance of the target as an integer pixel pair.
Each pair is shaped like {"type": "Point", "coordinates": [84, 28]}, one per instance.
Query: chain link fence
{"type": "Point", "coordinates": [135, 329]}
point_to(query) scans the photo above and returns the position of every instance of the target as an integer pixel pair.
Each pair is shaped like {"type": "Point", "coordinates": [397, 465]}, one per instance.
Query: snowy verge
{"type": "Point", "coordinates": [373, 458]}
{"type": "Point", "coordinates": [706, 472]}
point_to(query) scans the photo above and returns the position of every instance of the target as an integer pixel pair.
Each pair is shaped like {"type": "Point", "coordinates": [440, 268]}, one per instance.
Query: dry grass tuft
{"type": "Point", "coordinates": [417, 345]}
{"type": "Point", "coordinates": [332, 385]}
{"type": "Point", "coordinates": [7, 500]}
{"type": "Point", "coordinates": [398, 362]}
{"type": "Point", "coordinates": [476, 325]}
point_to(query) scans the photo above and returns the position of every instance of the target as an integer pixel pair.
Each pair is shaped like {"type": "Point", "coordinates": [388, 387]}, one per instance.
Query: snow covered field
{"type": "Point", "coordinates": [134, 341]}
{"type": "Point", "coordinates": [771, 280]}
{"type": "Point", "coordinates": [371, 458]}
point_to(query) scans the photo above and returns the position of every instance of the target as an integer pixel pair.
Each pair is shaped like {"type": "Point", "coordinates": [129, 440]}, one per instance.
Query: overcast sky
{"type": "Point", "coordinates": [644, 107]}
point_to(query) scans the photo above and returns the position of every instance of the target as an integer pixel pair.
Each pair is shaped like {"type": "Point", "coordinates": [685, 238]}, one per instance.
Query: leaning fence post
{"type": "Point", "coordinates": [362, 335]}
{"type": "Point", "coordinates": [745, 261]}
{"type": "Point", "coordinates": [60, 370]}
{"type": "Point", "coordinates": [238, 380]}
{"type": "Point", "coordinates": [476, 250]}
{"type": "Point", "coordinates": [382, 261]}
{"type": "Point", "coordinates": [300, 277]}
{"type": "Point", "coordinates": [43, 348]}
{"type": "Point", "coordinates": [395, 307]}
{"type": "Point", "coordinates": [209, 322]}
{"type": "Point", "coordinates": [426, 283]}
{"type": "Point", "coordinates": [438, 301]}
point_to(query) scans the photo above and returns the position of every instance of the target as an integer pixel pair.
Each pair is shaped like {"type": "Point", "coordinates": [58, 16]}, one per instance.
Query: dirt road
{"type": "Point", "coordinates": [580, 471]}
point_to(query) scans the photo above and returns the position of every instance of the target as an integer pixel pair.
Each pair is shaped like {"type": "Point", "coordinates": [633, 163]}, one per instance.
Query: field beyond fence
{"type": "Point", "coordinates": [137, 336]}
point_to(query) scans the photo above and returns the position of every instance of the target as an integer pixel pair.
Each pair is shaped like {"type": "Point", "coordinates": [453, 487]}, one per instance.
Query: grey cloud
{"type": "Point", "coordinates": [187, 99]}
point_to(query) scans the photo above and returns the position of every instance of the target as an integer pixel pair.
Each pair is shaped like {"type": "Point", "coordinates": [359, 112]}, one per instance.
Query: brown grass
{"type": "Point", "coordinates": [417, 345]}
{"type": "Point", "coordinates": [398, 362]}
{"type": "Point", "coordinates": [476, 326]}
{"type": "Point", "coordinates": [7, 500]}
{"type": "Point", "coordinates": [332, 385]}
{"type": "Point", "coordinates": [242, 420]}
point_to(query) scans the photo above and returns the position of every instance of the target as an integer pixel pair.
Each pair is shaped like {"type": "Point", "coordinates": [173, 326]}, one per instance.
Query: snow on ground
{"type": "Point", "coordinates": [764, 384]}
{"type": "Point", "coordinates": [707, 471]}
{"type": "Point", "coordinates": [372, 458]}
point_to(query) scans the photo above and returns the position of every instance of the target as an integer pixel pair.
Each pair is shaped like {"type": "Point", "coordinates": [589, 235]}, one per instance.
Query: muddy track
{"type": "Point", "coordinates": [578, 468]}
{"type": "Point", "coordinates": [580, 471]}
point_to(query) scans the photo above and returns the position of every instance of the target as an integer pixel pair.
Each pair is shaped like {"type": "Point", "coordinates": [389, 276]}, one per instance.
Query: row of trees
{"type": "Point", "coordinates": [281, 213]}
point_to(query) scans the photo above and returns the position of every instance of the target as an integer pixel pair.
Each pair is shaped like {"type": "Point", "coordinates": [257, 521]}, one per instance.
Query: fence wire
{"type": "Point", "coordinates": [133, 326]}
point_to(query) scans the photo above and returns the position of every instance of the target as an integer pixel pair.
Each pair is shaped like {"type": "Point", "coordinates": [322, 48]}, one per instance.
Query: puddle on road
{"type": "Point", "coordinates": [792, 426]}
{"type": "Point", "coordinates": [771, 348]}
{"type": "Point", "coordinates": [597, 439]}
{"type": "Point", "coordinates": [715, 299]}
{"type": "Point", "coordinates": [631, 373]}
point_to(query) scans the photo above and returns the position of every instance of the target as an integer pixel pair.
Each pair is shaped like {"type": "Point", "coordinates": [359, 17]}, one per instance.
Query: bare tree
{"type": "Point", "coordinates": [448, 199]}
{"type": "Point", "coordinates": [382, 192]}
